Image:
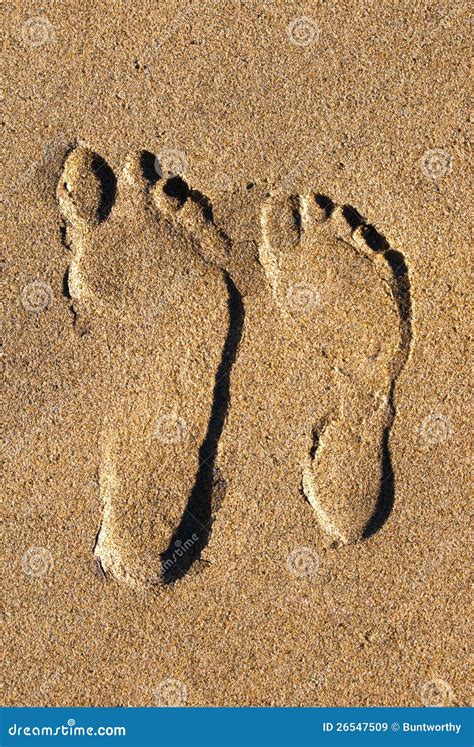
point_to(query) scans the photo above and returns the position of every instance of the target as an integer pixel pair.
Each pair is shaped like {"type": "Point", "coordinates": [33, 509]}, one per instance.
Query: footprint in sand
{"type": "Point", "coordinates": [345, 294]}
{"type": "Point", "coordinates": [149, 269]}
{"type": "Point", "coordinates": [146, 271]}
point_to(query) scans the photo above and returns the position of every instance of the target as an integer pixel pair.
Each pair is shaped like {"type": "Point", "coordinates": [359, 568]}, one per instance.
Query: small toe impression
{"type": "Point", "coordinates": [149, 167]}
{"type": "Point", "coordinates": [325, 205]}
{"type": "Point", "coordinates": [88, 187]}
{"type": "Point", "coordinates": [352, 216]}
{"type": "Point", "coordinates": [174, 187]}
{"type": "Point", "coordinates": [186, 209]}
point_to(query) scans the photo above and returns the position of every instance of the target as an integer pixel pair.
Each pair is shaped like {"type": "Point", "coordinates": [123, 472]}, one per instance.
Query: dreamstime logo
{"type": "Point", "coordinates": [302, 31]}
{"type": "Point", "coordinates": [302, 561]}
{"type": "Point", "coordinates": [435, 429]}
{"type": "Point", "coordinates": [302, 297]}
{"type": "Point", "coordinates": [179, 550]}
{"type": "Point", "coordinates": [37, 31]}
{"type": "Point", "coordinates": [436, 694]}
{"type": "Point", "coordinates": [37, 561]}
{"type": "Point", "coordinates": [436, 163]}
{"type": "Point", "coordinates": [36, 296]}
{"type": "Point", "coordinates": [171, 162]}
{"type": "Point", "coordinates": [171, 693]}
{"type": "Point", "coordinates": [171, 428]}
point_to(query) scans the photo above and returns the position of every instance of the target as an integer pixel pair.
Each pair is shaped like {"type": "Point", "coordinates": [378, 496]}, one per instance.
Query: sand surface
{"type": "Point", "coordinates": [236, 341]}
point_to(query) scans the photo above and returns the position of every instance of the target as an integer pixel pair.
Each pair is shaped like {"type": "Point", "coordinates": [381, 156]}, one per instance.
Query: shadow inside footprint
{"type": "Point", "coordinates": [108, 184]}
{"type": "Point", "coordinates": [148, 165]}
{"type": "Point", "coordinates": [192, 534]}
{"type": "Point", "coordinates": [386, 496]}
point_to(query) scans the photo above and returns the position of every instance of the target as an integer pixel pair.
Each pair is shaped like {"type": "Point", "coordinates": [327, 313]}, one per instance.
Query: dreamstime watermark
{"type": "Point", "coordinates": [37, 561]}
{"type": "Point", "coordinates": [435, 429]}
{"type": "Point", "coordinates": [171, 693]}
{"type": "Point", "coordinates": [36, 297]}
{"type": "Point", "coordinates": [170, 428]}
{"type": "Point", "coordinates": [37, 31]}
{"type": "Point", "coordinates": [436, 163]}
{"type": "Point", "coordinates": [302, 31]}
{"type": "Point", "coordinates": [436, 694]}
{"type": "Point", "coordinates": [66, 730]}
{"type": "Point", "coordinates": [303, 562]}
{"type": "Point", "coordinates": [171, 162]}
{"type": "Point", "coordinates": [180, 549]}
{"type": "Point", "coordinates": [302, 297]}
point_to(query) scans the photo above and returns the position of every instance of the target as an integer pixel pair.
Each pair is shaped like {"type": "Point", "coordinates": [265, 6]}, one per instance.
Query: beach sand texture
{"type": "Point", "coordinates": [236, 274]}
